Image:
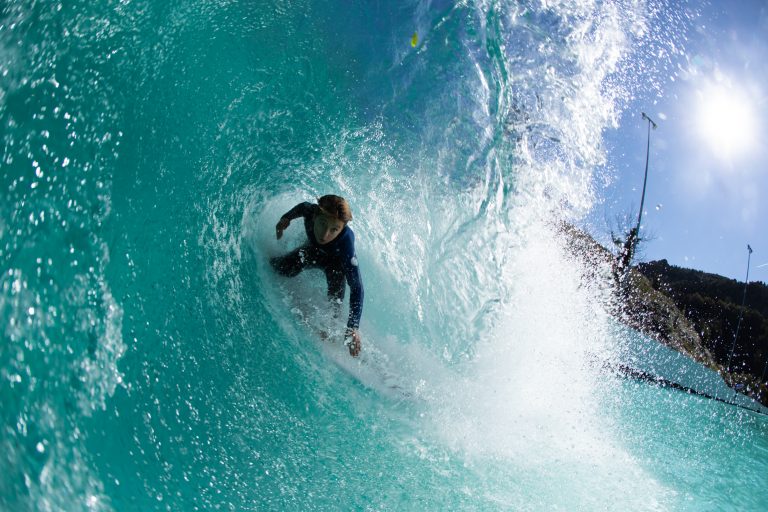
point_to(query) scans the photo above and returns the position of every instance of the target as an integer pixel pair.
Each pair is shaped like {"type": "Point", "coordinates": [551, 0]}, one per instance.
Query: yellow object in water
{"type": "Point", "coordinates": [415, 39]}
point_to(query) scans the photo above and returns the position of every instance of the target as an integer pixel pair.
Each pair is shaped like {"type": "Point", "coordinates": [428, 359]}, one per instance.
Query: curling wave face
{"type": "Point", "coordinates": [151, 361]}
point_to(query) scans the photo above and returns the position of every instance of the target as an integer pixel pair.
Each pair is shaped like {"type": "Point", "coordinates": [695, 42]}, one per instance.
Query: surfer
{"type": "Point", "coordinates": [330, 247]}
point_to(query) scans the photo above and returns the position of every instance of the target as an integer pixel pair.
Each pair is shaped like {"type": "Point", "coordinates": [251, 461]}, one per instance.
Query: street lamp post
{"type": "Point", "coordinates": [741, 311]}
{"type": "Point", "coordinates": [645, 177]}
{"type": "Point", "coordinates": [634, 234]}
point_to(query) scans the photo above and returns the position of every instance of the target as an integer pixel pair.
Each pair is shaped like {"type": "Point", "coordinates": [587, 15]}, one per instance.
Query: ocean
{"type": "Point", "coordinates": [150, 358]}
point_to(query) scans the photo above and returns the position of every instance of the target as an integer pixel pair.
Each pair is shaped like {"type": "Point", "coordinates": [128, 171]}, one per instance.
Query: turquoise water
{"type": "Point", "coordinates": [150, 360]}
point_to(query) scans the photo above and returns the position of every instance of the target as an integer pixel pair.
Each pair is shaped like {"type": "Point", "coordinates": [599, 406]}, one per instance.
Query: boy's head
{"type": "Point", "coordinates": [335, 207]}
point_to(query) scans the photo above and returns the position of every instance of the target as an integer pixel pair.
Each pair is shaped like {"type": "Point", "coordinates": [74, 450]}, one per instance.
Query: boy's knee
{"type": "Point", "coordinates": [285, 266]}
{"type": "Point", "coordinates": [277, 264]}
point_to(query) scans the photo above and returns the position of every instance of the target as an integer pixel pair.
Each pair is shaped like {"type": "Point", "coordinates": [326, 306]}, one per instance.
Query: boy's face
{"type": "Point", "coordinates": [327, 228]}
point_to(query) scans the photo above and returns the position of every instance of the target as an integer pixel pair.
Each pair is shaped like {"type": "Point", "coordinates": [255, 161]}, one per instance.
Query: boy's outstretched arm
{"type": "Point", "coordinates": [297, 211]}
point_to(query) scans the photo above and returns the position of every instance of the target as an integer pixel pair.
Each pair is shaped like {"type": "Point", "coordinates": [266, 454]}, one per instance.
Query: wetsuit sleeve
{"type": "Point", "coordinates": [352, 273]}
{"type": "Point", "coordinates": [300, 210]}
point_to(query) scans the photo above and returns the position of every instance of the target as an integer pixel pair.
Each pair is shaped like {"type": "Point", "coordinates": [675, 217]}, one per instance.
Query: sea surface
{"type": "Point", "coordinates": [150, 359]}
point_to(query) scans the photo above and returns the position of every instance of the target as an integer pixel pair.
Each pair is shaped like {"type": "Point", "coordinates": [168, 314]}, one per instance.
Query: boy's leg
{"type": "Point", "coordinates": [292, 263]}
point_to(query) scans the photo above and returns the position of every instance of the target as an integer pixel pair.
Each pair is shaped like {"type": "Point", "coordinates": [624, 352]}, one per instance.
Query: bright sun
{"type": "Point", "coordinates": [726, 121]}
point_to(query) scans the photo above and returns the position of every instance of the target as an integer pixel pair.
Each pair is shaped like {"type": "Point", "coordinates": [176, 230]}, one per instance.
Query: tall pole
{"type": "Point", "coordinates": [634, 234]}
{"type": "Point", "coordinates": [645, 178]}
{"type": "Point", "coordinates": [741, 311]}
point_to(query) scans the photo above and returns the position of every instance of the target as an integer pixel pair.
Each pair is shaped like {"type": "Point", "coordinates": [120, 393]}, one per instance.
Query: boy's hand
{"type": "Point", "coordinates": [282, 225]}
{"type": "Point", "coordinates": [352, 340]}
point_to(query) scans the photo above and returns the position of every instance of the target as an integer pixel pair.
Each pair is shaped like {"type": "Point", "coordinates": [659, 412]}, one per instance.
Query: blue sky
{"type": "Point", "coordinates": [708, 171]}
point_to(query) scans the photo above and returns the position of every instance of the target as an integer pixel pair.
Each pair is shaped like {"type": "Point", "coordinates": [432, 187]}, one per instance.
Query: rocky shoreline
{"type": "Point", "coordinates": [636, 303]}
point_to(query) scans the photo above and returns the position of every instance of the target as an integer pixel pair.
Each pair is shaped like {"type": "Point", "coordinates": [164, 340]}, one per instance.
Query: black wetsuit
{"type": "Point", "coordinates": [337, 258]}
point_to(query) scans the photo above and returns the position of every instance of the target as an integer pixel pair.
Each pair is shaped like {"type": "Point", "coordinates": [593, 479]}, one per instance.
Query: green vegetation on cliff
{"type": "Point", "coordinates": [713, 304]}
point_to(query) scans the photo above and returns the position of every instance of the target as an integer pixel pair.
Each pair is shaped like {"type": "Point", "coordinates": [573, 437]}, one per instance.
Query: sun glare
{"type": "Point", "coordinates": [726, 121]}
